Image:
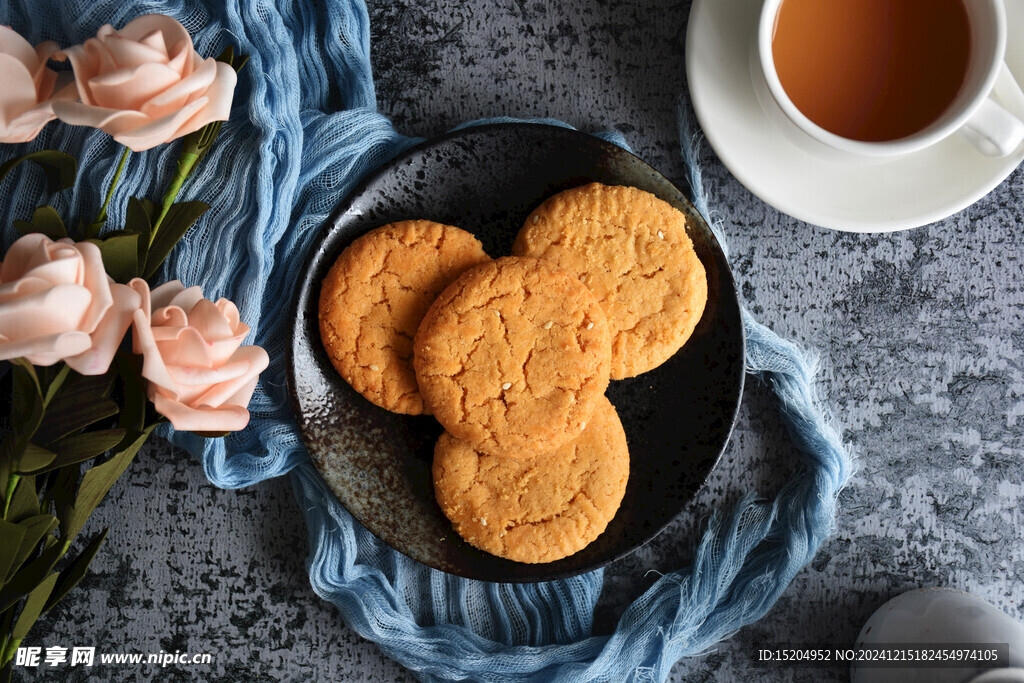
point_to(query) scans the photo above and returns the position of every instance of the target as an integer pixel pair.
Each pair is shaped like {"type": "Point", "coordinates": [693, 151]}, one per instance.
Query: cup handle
{"type": "Point", "coordinates": [992, 129]}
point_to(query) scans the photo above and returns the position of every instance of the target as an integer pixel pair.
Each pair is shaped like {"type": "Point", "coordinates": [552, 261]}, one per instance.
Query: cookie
{"type": "Point", "coordinates": [537, 509]}
{"type": "Point", "coordinates": [632, 250]}
{"type": "Point", "coordinates": [513, 357]}
{"type": "Point", "coordinates": [375, 295]}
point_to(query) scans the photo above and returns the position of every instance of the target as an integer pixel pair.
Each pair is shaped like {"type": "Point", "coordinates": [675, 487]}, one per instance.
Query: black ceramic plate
{"type": "Point", "coordinates": [486, 180]}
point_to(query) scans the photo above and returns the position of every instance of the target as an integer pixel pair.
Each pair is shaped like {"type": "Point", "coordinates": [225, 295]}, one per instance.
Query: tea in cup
{"type": "Point", "coordinates": [887, 77]}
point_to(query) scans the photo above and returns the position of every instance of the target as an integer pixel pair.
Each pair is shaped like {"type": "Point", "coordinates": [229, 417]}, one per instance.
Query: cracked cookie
{"type": "Point", "coordinates": [513, 357]}
{"type": "Point", "coordinates": [537, 509]}
{"type": "Point", "coordinates": [632, 250]}
{"type": "Point", "coordinates": [375, 295]}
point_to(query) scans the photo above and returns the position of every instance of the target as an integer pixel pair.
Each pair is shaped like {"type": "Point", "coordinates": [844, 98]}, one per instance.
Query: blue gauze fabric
{"type": "Point", "coordinates": [304, 129]}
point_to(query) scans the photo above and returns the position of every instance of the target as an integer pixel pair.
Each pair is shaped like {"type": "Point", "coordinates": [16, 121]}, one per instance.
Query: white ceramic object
{"type": "Point", "coordinates": [992, 129]}
{"type": "Point", "coordinates": [941, 615]}
{"type": "Point", "coordinates": [875, 195]}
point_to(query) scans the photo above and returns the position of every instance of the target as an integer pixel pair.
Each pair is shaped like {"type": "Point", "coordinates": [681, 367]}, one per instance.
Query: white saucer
{"type": "Point", "coordinates": [880, 196]}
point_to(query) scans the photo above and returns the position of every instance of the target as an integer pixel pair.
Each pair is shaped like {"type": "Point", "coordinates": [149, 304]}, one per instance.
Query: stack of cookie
{"type": "Point", "coordinates": [513, 356]}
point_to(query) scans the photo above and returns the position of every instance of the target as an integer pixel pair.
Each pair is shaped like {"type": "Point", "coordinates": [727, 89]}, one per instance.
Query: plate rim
{"type": "Point", "coordinates": [313, 254]}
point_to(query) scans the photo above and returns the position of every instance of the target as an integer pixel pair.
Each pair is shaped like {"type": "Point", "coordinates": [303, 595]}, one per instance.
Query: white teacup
{"type": "Point", "coordinates": [973, 112]}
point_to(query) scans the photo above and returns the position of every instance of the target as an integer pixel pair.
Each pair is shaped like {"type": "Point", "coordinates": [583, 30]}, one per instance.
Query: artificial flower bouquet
{"type": "Point", "coordinates": [94, 356]}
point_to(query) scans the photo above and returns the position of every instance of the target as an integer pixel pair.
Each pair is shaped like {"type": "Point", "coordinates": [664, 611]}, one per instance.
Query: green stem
{"type": "Point", "coordinates": [94, 229]}
{"type": "Point", "coordinates": [12, 484]}
{"type": "Point", "coordinates": [185, 165]}
{"type": "Point", "coordinates": [9, 651]}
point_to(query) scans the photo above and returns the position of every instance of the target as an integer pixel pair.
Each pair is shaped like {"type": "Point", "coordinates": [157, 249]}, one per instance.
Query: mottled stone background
{"type": "Point", "coordinates": [920, 335]}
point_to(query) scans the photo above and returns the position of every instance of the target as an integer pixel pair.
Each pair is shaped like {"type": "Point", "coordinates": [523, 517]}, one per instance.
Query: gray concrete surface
{"type": "Point", "coordinates": [920, 335]}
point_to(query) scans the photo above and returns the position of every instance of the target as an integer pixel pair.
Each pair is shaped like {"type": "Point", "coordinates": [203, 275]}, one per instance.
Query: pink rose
{"type": "Point", "coordinates": [200, 376]}
{"type": "Point", "coordinates": [146, 84]}
{"type": "Point", "coordinates": [25, 105]}
{"type": "Point", "coordinates": [57, 303]}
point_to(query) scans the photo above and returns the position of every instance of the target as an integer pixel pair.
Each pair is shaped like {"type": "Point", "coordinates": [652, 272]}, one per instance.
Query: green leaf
{"type": "Point", "coordinates": [228, 57]}
{"type": "Point", "coordinates": [46, 221]}
{"type": "Point", "coordinates": [77, 405]}
{"type": "Point", "coordinates": [7, 478]}
{"type": "Point", "coordinates": [74, 572]}
{"type": "Point", "coordinates": [25, 501]}
{"type": "Point", "coordinates": [80, 447]}
{"type": "Point", "coordinates": [10, 648]}
{"type": "Point", "coordinates": [152, 209]}
{"type": "Point", "coordinates": [36, 528]}
{"type": "Point", "coordinates": [61, 422]}
{"type": "Point", "coordinates": [26, 413]}
{"type": "Point", "coordinates": [27, 578]}
{"type": "Point", "coordinates": [62, 494]}
{"type": "Point", "coordinates": [8, 482]}
{"type": "Point", "coordinates": [133, 413]}
{"type": "Point", "coordinates": [114, 233]}
{"type": "Point", "coordinates": [60, 168]}
{"type": "Point", "coordinates": [56, 383]}
{"type": "Point", "coordinates": [11, 536]}
{"type": "Point", "coordinates": [137, 219]}
{"type": "Point", "coordinates": [33, 458]}
{"type": "Point", "coordinates": [30, 379]}
{"type": "Point", "coordinates": [121, 256]}
{"type": "Point", "coordinates": [97, 481]}
{"type": "Point", "coordinates": [33, 606]}
{"type": "Point", "coordinates": [176, 223]}
{"type": "Point", "coordinates": [85, 387]}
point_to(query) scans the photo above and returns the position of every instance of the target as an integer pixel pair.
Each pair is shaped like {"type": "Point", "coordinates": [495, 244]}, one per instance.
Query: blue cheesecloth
{"type": "Point", "coordinates": [304, 130]}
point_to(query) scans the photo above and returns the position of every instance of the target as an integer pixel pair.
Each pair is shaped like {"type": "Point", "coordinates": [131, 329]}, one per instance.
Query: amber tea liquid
{"type": "Point", "coordinates": [872, 70]}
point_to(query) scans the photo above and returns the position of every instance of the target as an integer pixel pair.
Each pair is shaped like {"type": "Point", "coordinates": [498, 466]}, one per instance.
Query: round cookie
{"type": "Point", "coordinates": [632, 250]}
{"type": "Point", "coordinates": [375, 295]}
{"type": "Point", "coordinates": [513, 357]}
{"type": "Point", "coordinates": [537, 509]}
